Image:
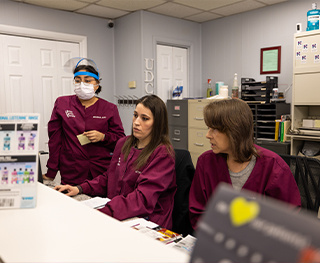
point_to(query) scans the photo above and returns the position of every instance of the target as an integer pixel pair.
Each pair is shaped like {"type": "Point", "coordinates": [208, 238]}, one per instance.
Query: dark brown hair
{"type": "Point", "coordinates": [159, 133]}
{"type": "Point", "coordinates": [234, 118]}
{"type": "Point", "coordinates": [89, 69]}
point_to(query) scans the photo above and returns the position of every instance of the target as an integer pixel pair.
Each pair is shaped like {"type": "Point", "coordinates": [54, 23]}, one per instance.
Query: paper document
{"type": "Point", "coordinates": [141, 222]}
{"type": "Point", "coordinates": [186, 244]}
{"type": "Point", "coordinates": [83, 139]}
{"type": "Point", "coordinates": [96, 202]}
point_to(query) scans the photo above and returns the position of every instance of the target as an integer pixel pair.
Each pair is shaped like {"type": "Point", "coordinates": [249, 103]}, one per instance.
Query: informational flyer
{"type": "Point", "coordinates": [19, 144]}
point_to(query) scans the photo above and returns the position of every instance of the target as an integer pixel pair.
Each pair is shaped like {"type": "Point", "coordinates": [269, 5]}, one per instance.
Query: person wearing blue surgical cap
{"type": "Point", "coordinates": [83, 129]}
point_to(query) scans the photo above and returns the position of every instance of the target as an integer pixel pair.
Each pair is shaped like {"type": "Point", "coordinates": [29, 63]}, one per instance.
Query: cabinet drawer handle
{"type": "Point", "coordinates": [175, 115]}
{"type": "Point", "coordinates": [198, 119]}
{"type": "Point", "coordinates": [198, 144]}
{"type": "Point", "coordinates": [176, 139]}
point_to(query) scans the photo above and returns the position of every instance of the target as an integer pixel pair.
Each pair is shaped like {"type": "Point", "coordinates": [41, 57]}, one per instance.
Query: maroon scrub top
{"type": "Point", "coordinates": [70, 118]}
{"type": "Point", "coordinates": [271, 176]}
{"type": "Point", "coordinates": [147, 192]}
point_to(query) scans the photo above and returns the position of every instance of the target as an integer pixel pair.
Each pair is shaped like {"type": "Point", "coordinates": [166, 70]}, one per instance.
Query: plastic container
{"type": "Point", "coordinates": [218, 85]}
{"type": "Point", "coordinates": [224, 91]}
{"type": "Point", "coordinates": [235, 87]}
{"type": "Point", "coordinates": [275, 93]}
{"type": "Point", "coordinates": [313, 17]}
{"type": "Point", "coordinates": [209, 89]}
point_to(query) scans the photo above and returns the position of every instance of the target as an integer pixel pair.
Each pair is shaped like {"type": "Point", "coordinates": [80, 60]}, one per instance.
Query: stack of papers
{"type": "Point", "coordinates": [96, 202]}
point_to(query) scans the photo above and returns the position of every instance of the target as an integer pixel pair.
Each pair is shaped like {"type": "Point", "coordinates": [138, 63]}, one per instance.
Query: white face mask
{"type": "Point", "coordinates": [84, 92]}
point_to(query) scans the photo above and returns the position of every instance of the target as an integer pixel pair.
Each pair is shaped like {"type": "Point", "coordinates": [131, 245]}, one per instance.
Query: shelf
{"type": "Point", "coordinates": [266, 121]}
{"type": "Point", "coordinates": [268, 110]}
{"type": "Point", "coordinates": [304, 137]}
{"type": "Point", "coordinates": [253, 83]}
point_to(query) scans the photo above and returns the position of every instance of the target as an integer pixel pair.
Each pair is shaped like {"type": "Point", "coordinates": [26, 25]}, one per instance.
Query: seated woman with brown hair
{"type": "Point", "coordinates": [236, 160]}
{"type": "Point", "coordinates": [141, 179]}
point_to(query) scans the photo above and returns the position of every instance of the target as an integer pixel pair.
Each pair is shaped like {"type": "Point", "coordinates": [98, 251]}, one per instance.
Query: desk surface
{"type": "Point", "coordinates": [61, 229]}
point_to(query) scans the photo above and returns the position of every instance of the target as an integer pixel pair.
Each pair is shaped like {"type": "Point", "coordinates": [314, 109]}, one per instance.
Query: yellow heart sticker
{"type": "Point", "coordinates": [243, 211]}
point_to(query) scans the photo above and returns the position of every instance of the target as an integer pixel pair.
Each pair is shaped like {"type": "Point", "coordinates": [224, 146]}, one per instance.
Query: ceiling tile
{"type": "Point", "coordinates": [101, 11]}
{"type": "Point", "coordinates": [238, 8]}
{"type": "Point", "coordinates": [206, 4]}
{"type": "Point", "coordinates": [131, 5]}
{"type": "Point", "coordinates": [69, 5]}
{"type": "Point", "coordinates": [175, 10]}
{"type": "Point", "coordinates": [89, 1]}
{"type": "Point", "coordinates": [203, 17]}
{"type": "Point", "coordinates": [192, 10]}
{"type": "Point", "coordinates": [272, 2]}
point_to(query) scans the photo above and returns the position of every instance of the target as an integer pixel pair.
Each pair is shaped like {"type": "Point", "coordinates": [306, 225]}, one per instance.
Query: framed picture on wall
{"type": "Point", "coordinates": [270, 60]}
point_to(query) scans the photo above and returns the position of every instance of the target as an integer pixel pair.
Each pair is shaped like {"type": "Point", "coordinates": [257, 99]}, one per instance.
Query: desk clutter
{"type": "Point", "coordinates": [161, 234]}
{"type": "Point", "coordinates": [144, 226]}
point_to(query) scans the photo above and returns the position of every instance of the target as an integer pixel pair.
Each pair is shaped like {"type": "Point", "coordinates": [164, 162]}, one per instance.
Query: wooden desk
{"type": "Point", "coordinates": [61, 229]}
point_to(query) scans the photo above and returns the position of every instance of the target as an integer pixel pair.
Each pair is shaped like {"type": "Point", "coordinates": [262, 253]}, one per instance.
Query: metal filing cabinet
{"type": "Point", "coordinates": [187, 128]}
{"type": "Point", "coordinates": [178, 123]}
{"type": "Point", "coordinates": [197, 129]}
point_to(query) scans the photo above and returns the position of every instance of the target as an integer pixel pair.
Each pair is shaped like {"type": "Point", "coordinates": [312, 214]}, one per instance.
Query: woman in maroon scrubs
{"type": "Point", "coordinates": [83, 129]}
{"type": "Point", "coordinates": [236, 160]}
{"type": "Point", "coordinates": [141, 179]}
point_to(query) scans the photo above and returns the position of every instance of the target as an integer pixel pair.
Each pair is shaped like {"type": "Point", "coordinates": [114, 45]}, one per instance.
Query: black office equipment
{"type": "Point", "coordinates": [258, 91]}
{"type": "Point", "coordinates": [306, 172]}
{"type": "Point", "coordinates": [184, 175]}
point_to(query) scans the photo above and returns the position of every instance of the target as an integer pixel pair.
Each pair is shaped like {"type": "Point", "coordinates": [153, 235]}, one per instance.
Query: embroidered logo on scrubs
{"type": "Point", "coordinates": [69, 114]}
{"type": "Point", "coordinates": [99, 117]}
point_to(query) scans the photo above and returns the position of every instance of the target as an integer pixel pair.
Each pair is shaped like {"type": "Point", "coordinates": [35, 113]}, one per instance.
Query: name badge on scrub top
{"type": "Point", "coordinates": [83, 139]}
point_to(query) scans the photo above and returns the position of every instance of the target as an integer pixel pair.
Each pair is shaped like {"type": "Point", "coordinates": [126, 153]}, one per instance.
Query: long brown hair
{"type": "Point", "coordinates": [234, 118]}
{"type": "Point", "coordinates": [159, 133]}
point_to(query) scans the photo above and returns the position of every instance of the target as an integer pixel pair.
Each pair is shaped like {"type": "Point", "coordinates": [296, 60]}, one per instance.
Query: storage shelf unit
{"type": "Point", "coordinates": [264, 116]}
{"type": "Point", "coordinates": [258, 91]}
{"type": "Point", "coordinates": [306, 87]}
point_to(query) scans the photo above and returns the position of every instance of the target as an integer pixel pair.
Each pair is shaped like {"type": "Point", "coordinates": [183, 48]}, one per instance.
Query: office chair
{"type": "Point", "coordinates": [184, 175]}
{"type": "Point", "coordinates": [306, 172]}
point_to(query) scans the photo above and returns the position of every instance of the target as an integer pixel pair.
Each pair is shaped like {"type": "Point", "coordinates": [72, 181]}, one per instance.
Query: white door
{"type": "Point", "coordinates": [34, 77]}
{"type": "Point", "coordinates": [172, 71]}
{"type": "Point", "coordinates": [49, 78]}
{"type": "Point", "coordinates": [17, 93]}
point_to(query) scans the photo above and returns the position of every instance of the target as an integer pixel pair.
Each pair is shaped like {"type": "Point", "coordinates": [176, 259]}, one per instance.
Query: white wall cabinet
{"type": "Point", "coordinates": [306, 87]}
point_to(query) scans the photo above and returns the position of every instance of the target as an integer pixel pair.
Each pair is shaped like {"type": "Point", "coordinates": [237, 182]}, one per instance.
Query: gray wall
{"type": "Point", "coordinates": [128, 63]}
{"type": "Point", "coordinates": [232, 44]}
{"type": "Point", "coordinates": [136, 37]}
{"type": "Point", "coordinates": [99, 36]}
